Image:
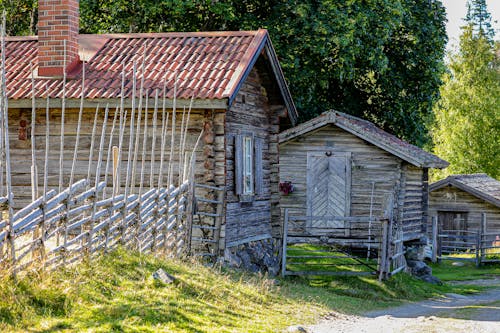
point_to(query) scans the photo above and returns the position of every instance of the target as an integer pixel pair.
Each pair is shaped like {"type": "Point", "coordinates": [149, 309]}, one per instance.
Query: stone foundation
{"type": "Point", "coordinates": [259, 256]}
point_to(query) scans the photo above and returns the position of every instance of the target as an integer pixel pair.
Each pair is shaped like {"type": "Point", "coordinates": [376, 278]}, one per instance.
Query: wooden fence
{"type": "Point", "coordinates": [377, 239]}
{"type": "Point", "coordinates": [128, 198]}
{"type": "Point", "coordinates": [61, 228]}
{"type": "Point", "coordinates": [478, 246]}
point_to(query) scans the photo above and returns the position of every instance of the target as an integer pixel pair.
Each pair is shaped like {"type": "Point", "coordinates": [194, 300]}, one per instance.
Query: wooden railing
{"type": "Point", "coordinates": [479, 246]}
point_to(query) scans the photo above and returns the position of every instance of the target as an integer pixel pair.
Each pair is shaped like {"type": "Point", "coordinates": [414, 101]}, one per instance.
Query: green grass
{"type": "Point", "coordinates": [116, 293]}
{"type": "Point", "coordinates": [448, 270]}
{"type": "Point", "coordinates": [338, 264]}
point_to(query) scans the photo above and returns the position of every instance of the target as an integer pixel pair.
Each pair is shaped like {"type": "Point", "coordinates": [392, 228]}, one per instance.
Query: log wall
{"type": "Point", "coordinates": [21, 148]}
{"type": "Point", "coordinates": [453, 199]}
{"type": "Point", "coordinates": [250, 113]}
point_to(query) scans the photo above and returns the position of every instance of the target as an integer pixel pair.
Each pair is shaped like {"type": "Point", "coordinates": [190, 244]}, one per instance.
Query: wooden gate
{"type": "Point", "coordinates": [361, 246]}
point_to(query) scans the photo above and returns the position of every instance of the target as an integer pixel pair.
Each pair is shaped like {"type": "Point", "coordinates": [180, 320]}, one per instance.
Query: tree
{"type": "Point", "coordinates": [377, 59]}
{"type": "Point", "coordinates": [480, 19]}
{"type": "Point", "coordinates": [21, 16]}
{"type": "Point", "coordinates": [467, 127]}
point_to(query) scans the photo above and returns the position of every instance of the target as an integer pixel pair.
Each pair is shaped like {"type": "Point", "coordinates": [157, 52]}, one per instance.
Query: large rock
{"type": "Point", "coordinates": [258, 256]}
{"type": "Point", "coordinates": [419, 268]}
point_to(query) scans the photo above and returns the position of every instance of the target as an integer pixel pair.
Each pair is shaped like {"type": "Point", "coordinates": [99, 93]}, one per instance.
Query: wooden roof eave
{"type": "Point", "coordinates": [329, 118]}
{"type": "Point", "coordinates": [478, 194]}
{"type": "Point", "coordinates": [127, 102]}
{"type": "Point", "coordinates": [261, 43]}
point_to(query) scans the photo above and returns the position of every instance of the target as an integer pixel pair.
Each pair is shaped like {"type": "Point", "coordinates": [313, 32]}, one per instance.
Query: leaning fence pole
{"type": "Point", "coordinates": [434, 238]}
{"type": "Point", "coordinates": [34, 170]}
{"type": "Point", "coordinates": [108, 156]}
{"type": "Point", "coordinates": [164, 128]}
{"type": "Point", "coordinates": [129, 159]}
{"type": "Point", "coordinates": [91, 153]}
{"type": "Point", "coordinates": [172, 138]}
{"type": "Point", "coordinates": [144, 142]}
{"type": "Point", "coordinates": [96, 183]}
{"type": "Point", "coordinates": [139, 114]}
{"type": "Point", "coordinates": [42, 226]}
{"type": "Point", "coordinates": [78, 128]}
{"type": "Point", "coordinates": [63, 111]}
{"type": "Point", "coordinates": [153, 143]}
{"type": "Point", "coordinates": [8, 181]}
{"type": "Point", "coordinates": [123, 118]}
{"type": "Point", "coordinates": [480, 242]}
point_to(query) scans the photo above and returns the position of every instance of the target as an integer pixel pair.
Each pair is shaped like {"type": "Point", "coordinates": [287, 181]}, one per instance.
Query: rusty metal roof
{"type": "Point", "coordinates": [370, 133]}
{"type": "Point", "coordinates": [205, 65]}
{"type": "Point", "coordinates": [478, 184]}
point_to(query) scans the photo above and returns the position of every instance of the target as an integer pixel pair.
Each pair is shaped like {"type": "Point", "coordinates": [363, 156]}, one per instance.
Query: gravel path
{"type": "Point", "coordinates": [479, 313]}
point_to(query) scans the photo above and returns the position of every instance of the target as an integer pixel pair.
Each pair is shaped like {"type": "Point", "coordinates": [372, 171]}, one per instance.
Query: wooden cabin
{"type": "Point", "coordinates": [230, 83]}
{"type": "Point", "coordinates": [343, 166]}
{"type": "Point", "coordinates": [459, 201]}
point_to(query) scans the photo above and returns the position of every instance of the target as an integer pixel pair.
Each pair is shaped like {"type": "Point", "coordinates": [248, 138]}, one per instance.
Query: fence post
{"type": "Point", "coordinates": [382, 262]}
{"type": "Point", "coordinates": [285, 235]}
{"type": "Point", "coordinates": [190, 206]}
{"type": "Point", "coordinates": [434, 238]}
{"type": "Point", "coordinates": [482, 231]}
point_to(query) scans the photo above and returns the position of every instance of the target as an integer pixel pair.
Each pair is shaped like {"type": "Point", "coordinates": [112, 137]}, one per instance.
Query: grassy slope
{"type": "Point", "coordinates": [117, 293]}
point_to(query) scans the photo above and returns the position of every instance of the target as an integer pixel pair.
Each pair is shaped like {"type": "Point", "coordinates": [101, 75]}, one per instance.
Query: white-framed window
{"type": "Point", "coordinates": [248, 171]}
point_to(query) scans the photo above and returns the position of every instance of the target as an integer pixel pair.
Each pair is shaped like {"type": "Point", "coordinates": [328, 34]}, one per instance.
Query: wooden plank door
{"type": "Point", "coordinates": [328, 188]}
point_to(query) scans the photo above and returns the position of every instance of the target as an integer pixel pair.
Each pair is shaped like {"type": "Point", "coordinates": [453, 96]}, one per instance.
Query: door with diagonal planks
{"type": "Point", "coordinates": [328, 189]}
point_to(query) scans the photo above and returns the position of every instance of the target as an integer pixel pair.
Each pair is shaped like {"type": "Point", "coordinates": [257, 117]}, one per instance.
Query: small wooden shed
{"type": "Point", "coordinates": [341, 165]}
{"type": "Point", "coordinates": [459, 200]}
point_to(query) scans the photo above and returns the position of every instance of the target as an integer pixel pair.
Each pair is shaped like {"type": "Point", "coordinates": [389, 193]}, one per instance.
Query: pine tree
{"type": "Point", "coordinates": [480, 19]}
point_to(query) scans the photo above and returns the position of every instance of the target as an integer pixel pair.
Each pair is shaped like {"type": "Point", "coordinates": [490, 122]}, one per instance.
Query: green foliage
{"type": "Point", "coordinates": [21, 16]}
{"type": "Point", "coordinates": [467, 128]}
{"type": "Point", "coordinates": [480, 19]}
{"type": "Point", "coordinates": [377, 59]}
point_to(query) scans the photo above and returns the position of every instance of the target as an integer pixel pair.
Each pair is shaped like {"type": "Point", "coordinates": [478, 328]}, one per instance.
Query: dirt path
{"type": "Point", "coordinates": [479, 313]}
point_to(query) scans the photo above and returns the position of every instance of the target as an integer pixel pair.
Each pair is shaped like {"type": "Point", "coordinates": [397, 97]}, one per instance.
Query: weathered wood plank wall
{"type": "Point", "coordinates": [378, 178]}
{"type": "Point", "coordinates": [453, 199]}
{"type": "Point", "coordinates": [21, 149]}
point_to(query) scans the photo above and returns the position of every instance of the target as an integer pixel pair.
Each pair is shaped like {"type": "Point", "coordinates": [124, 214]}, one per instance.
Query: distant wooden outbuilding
{"type": "Point", "coordinates": [344, 166]}
{"type": "Point", "coordinates": [459, 200]}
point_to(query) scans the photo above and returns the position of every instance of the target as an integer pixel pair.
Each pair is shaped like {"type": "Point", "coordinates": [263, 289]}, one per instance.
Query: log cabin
{"type": "Point", "coordinates": [460, 200]}
{"type": "Point", "coordinates": [343, 166]}
{"type": "Point", "coordinates": [231, 82]}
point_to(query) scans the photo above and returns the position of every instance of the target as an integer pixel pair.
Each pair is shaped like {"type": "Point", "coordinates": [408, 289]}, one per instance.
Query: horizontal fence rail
{"type": "Point", "coordinates": [477, 246]}
{"type": "Point", "coordinates": [62, 228]}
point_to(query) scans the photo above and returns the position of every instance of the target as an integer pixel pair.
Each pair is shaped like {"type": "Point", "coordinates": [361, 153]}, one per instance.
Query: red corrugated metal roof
{"type": "Point", "coordinates": [208, 65]}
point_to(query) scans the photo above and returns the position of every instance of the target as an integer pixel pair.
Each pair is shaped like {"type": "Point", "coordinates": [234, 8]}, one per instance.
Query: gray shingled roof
{"type": "Point", "coordinates": [479, 184]}
{"type": "Point", "coordinates": [370, 133]}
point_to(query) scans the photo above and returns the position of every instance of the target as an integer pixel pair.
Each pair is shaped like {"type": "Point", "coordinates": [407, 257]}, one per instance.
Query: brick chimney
{"type": "Point", "coordinates": [57, 22]}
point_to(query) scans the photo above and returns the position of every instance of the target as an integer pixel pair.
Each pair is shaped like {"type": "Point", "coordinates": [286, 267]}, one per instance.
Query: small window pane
{"type": "Point", "coordinates": [248, 165]}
